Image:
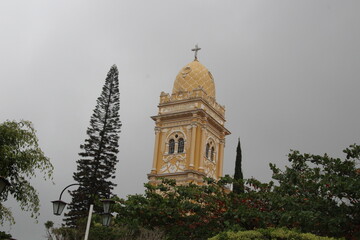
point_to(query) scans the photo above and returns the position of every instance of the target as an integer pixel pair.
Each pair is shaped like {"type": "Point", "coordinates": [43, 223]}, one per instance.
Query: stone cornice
{"type": "Point", "coordinates": [189, 114]}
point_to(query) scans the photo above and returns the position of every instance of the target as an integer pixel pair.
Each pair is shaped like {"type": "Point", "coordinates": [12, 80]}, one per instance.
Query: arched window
{"type": "Point", "coordinates": [212, 153]}
{"type": "Point", "coordinates": [171, 146]}
{"type": "Point", "coordinates": [181, 145]}
{"type": "Point", "coordinates": [207, 150]}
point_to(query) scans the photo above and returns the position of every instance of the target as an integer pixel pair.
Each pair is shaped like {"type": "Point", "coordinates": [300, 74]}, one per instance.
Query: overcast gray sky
{"type": "Point", "coordinates": [287, 72]}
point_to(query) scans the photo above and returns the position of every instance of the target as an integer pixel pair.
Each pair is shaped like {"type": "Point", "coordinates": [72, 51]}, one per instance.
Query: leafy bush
{"type": "Point", "coordinates": [315, 194]}
{"type": "Point", "coordinates": [268, 234]}
{"type": "Point", "coordinates": [99, 232]}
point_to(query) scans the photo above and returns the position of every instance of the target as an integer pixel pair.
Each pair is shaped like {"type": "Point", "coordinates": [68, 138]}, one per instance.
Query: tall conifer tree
{"type": "Point", "coordinates": [238, 176]}
{"type": "Point", "coordinates": [98, 155]}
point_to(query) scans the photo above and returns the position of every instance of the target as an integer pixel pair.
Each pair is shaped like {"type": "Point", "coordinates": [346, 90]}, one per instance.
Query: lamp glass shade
{"type": "Point", "coordinates": [3, 184]}
{"type": "Point", "coordinates": [106, 219]}
{"type": "Point", "coordinates": [58, 206]}
{"type": "Point", "coordinates": [107, 205]}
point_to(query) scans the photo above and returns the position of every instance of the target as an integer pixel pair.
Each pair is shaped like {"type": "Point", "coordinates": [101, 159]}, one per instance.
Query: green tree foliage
{"type": "Point", "coordinates": [316, 194]}
{"type": "Point", "coordinates": [181, 211]}
{"type": "Point", "coordinates": [98, 157]}
{"type": "Point", "coordinates": [97, 232]}
{"type": "Point", "coordinates": [4, 236]}
{"type": "Point", "coordinates": [48, 229]}
{"type": "Point", "coordinates": [320, 194]}
{"type": "Point", "coordinates": [238, 176]}
{"type": "Point", "coordinates": [268, 234]}
{"type": "Point", "coordinates": [20, 159]}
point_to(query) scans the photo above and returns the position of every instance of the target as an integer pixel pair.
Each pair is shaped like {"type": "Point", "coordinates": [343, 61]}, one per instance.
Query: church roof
{"type": "Point", "coordinates": [194, 75]}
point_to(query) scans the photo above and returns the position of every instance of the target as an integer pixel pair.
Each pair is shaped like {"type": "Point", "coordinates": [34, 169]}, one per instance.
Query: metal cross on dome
{"type": "Point", "coordinates": [196, 49]}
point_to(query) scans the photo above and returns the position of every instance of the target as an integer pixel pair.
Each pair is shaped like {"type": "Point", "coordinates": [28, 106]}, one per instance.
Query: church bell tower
{"type": "Point", "coordinates": [189, 129]}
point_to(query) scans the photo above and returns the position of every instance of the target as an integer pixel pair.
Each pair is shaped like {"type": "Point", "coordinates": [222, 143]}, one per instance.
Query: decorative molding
{"type": "Point", "coordinates": [164, 130]}
{"type": "Point", "coordinates": [210, 169]}
{"type": "Point", "coordinates": [180, 177]}
{"type": "Point", "coordinates": [198, 93]}
{"type": "Point", "coordinates": [177, 108]}
{"type": "Point", "coordinates": [176, 124]}
{"type": "Point", "coordinates": [174, 163]}
{"type": "Point", "coordinates": [176, 131]}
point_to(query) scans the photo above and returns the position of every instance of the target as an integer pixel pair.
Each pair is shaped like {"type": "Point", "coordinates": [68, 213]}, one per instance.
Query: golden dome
{"type": "Point", "coordinates": [192, 76]}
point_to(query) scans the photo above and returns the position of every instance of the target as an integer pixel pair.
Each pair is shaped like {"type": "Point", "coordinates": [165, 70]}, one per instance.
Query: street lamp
{"type": "Point", "coordinates": [106, 219]}
{"type": "Point", "coordinates": [107, 203]}
{"type": "Point", "coordinates": [59, 205]}
{"type": "Point", "coordinates": [3, 184]}
{"type": "Point", "coordinates": [106, 216]}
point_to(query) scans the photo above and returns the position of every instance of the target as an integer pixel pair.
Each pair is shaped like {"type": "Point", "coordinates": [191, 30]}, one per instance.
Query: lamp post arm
{"type": "Point", "coordinates": [67, 188]}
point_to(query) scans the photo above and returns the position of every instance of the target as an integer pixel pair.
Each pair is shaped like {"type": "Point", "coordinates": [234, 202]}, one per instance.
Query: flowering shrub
{"type": "Point", "coordinates": [316, 194]}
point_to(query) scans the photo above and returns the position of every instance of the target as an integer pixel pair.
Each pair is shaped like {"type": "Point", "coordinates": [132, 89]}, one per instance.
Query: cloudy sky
{"type": "Point", "coordinates": [287, 71]}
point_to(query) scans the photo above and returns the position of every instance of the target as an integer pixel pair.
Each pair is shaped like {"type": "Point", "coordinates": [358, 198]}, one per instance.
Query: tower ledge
{"type": "Point", "coordinates": [189, 95]}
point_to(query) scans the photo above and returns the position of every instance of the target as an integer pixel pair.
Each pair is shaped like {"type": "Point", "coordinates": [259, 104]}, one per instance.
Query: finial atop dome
{"type": "Point", "coordinates": [196, 49]}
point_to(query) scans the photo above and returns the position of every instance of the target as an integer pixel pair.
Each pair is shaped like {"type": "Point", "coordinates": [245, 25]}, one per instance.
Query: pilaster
{"type": "Point", "coordinates": [156, 150]}
{"type": "Point", "coordinates": [202, 151]}
{"type": "Point", "coordinates": [221, 157]}
{"type": "Point", "coordinates": [192, 146]}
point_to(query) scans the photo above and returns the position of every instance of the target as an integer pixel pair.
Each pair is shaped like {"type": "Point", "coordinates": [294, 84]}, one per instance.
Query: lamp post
{"type": "Point", "coordinates": [59, 205]}
{"type": "Point", "coordinates": [3, 184]}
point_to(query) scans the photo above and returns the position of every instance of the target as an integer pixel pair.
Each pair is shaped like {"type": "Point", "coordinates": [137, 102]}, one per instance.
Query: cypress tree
{"type": "Point", "coordinates": [238, 176]}
{"type": "Point", "coordinates": [98, 155]}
